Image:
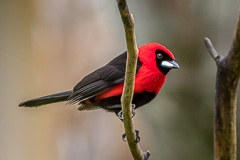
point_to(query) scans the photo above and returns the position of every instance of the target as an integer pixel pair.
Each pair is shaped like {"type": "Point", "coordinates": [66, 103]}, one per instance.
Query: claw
{"type": "Point", "coordinates": [123, 137]}
{"type": "Point", "coordinates": [137, 137]}
{"type": "Point", "coordinates": [133, 110]}
{"type": "Point", "coordinates": [146, 155]}
{"type": "Point", "coordinates": [120, 114]}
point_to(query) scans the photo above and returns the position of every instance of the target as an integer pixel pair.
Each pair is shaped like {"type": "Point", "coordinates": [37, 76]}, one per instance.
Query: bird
{"type": "Point", "coordinates": [103, 87]}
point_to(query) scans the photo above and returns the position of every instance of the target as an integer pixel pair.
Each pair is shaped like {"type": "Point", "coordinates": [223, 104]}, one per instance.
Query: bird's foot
{"type": "Point", "coordinates": [133, 110]}
{"type": "Point", "coordinates": [146, 155]}
{"type": "Point", "coordinates": [137, 137]}
{"type": "Point", "coordinates": [120, 114]}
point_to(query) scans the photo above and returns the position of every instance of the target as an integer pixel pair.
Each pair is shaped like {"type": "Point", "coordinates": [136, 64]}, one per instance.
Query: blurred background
{"type": "Point", "coordinates": [47, 46]}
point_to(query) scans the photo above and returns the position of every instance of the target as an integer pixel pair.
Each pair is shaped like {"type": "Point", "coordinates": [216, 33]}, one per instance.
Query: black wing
{"type": "Point", "coordinates": [101, 80]}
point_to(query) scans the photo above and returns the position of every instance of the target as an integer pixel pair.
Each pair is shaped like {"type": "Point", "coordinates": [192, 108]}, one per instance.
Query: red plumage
{"type": "Point", "coordinates": [149, 78]}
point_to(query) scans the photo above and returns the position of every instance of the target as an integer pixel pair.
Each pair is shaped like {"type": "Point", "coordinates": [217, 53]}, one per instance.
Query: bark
{"type": "Point", "coordinates": [228, 73]}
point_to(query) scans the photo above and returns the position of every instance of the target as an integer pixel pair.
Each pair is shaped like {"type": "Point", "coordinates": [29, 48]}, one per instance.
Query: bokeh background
{"type": "Point", "coordinates": [47, 46]}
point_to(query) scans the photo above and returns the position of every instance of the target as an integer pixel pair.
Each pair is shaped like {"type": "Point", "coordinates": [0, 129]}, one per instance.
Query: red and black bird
{"type": "Point", "coordinates": [103, 87]}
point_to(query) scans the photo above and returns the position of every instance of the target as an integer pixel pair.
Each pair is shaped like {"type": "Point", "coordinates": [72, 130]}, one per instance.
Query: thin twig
{"type": "Point", "coordinates": [212, 50]}
{"type": "Point", "coordinates": [126, 100]}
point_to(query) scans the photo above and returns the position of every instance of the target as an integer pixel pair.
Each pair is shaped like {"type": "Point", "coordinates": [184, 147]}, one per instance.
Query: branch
{"type": "Point", "coordinates": [126, 100]}
{"type": "Point", "coordinates": [233, 58]}
{"type": "Point", "coordinates": [228, 74]}
{"type": "Point", "coordinates": [212, 50]}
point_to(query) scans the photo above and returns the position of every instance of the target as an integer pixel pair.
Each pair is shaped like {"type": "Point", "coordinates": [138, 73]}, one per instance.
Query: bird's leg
{"type": "Point", "coordinates": [137, 136]}
{"type": "Point", "coordinates": [120, 114]}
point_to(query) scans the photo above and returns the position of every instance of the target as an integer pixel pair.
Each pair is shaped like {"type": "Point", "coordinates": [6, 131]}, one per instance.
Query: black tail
{"type": "Point", "coordinates": [53, 98]}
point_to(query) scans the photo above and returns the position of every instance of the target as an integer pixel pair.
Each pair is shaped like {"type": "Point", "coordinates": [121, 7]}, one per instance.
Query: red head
{"type": "Point", "coordinates": [157, 57]}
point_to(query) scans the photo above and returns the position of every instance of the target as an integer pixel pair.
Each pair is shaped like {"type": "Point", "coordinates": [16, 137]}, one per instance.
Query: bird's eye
{"type": "Point", "coordinates": [159, 56]}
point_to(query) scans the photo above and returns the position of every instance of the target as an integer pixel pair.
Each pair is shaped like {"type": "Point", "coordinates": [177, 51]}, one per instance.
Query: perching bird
{"type": "Point", "coordinates": [103, 87]}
